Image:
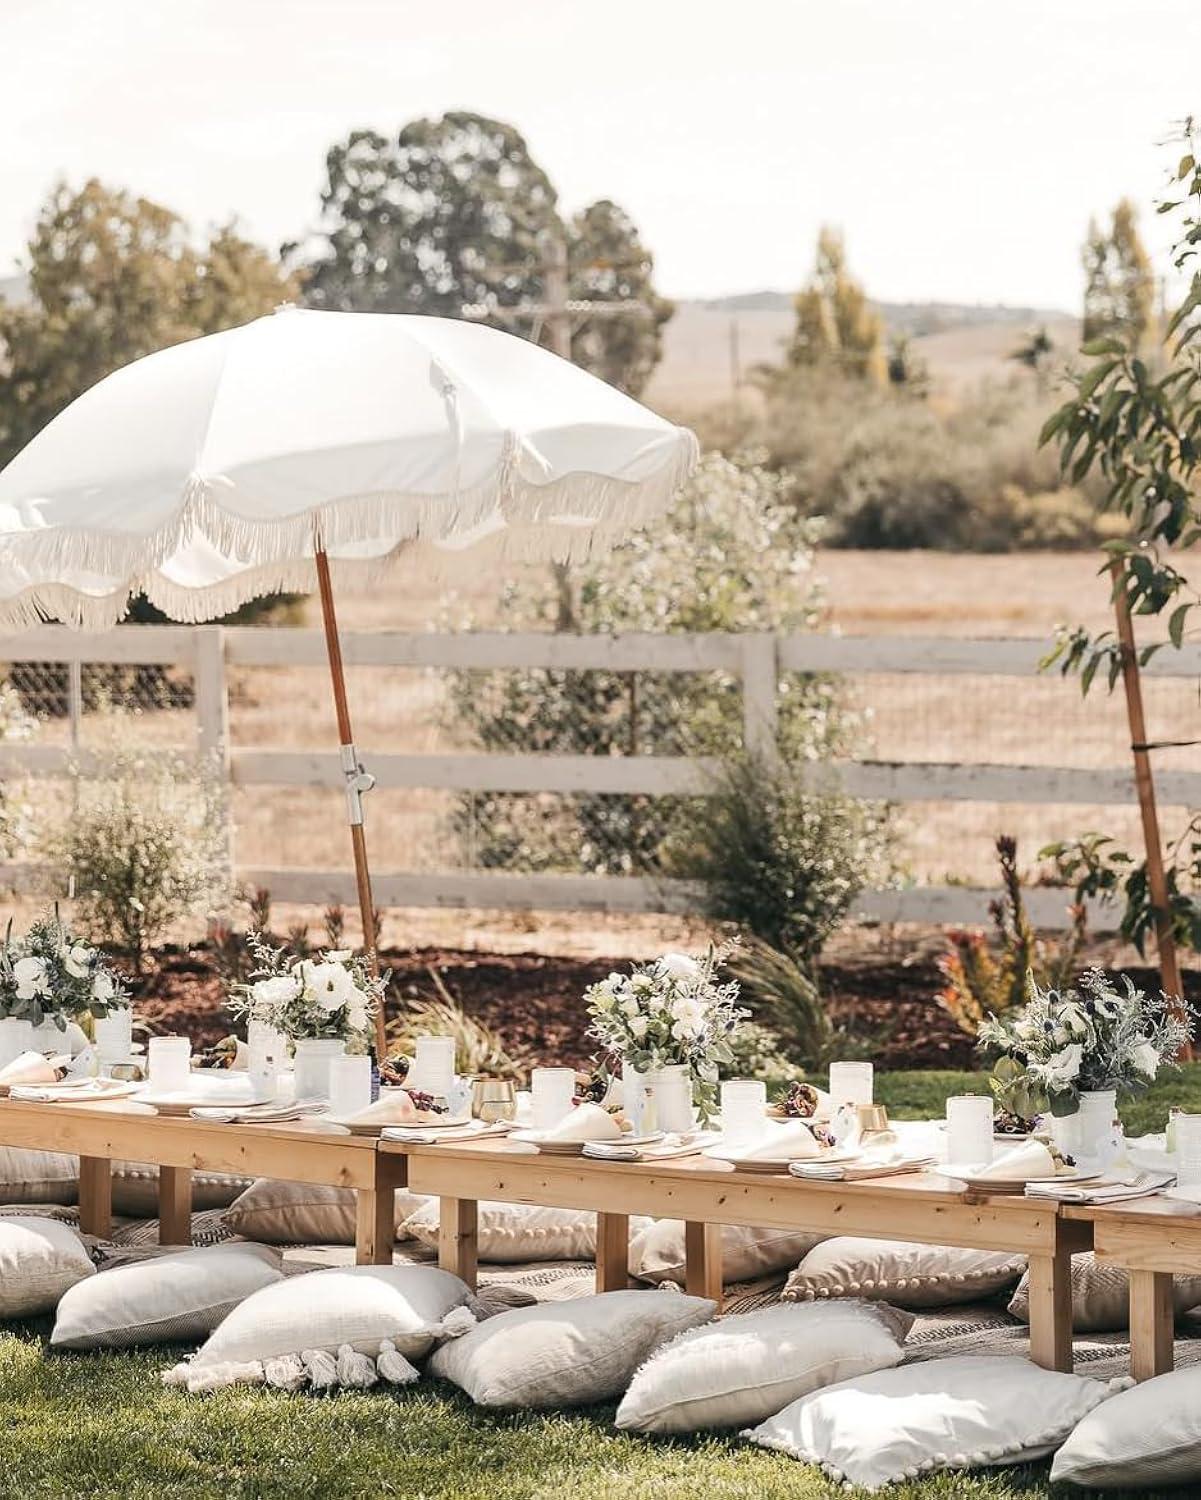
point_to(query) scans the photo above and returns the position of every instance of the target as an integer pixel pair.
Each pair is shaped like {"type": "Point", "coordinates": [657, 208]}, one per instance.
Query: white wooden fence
{"type": "Point", "coordinates": [757, 660]}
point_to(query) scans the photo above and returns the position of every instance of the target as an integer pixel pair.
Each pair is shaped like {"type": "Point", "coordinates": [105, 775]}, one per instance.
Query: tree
{"type": "Point", "coordinates": [1119, 291]}
{"type": "Point", "coordinates": [454, 214]}
{"type": "Point", "coordinates": [113, 277]}
{"type": "Point", "coordinates": [834, 320]}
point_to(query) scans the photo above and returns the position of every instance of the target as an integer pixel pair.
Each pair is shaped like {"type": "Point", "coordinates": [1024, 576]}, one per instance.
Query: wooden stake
{"type": "Point", "coordinates": [1157, 881]}
{"type": "Point", "coordinates": [358, 839]}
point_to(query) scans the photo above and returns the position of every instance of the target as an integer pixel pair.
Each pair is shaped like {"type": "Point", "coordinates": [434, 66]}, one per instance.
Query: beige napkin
{"type": "Point", "coordinates": [791, 1142]}
{"type": "Point", "coordinates": [29, 1067]}
{"type": "Point", "coordinates": [587, 1122]}
{"type": "Point", "coordinates": [1030, 1159]}
{"type": "Point", "coordinates": [393, 1107]}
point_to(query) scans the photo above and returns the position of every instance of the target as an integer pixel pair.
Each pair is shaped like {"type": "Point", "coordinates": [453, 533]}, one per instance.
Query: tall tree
{"type": "Point", "coordinates": [835, 323]}
{"type": "Point", "coordinates": [453, 217]}
{"type": "Point", "coordinates": [113, 277]}
{"type": "Point", "coordinates": [1119, 289]}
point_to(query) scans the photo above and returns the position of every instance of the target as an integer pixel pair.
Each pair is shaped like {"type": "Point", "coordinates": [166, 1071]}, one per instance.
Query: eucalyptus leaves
{"type": "Point", "coordinates": [52, 974]}
{"type": "Point", "coordinates": [1067, 1042]}
{"type": "Point", "coordinates": [668, 1013]}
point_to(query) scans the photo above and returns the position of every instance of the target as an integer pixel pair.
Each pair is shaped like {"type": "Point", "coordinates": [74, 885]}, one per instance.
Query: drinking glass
{"type": "Point", "coordinates": [743, 1102]}
{"type": "Point", "coordinates": [114, 1035]}
{"type": "Point", "coordinates": [170, 1059]}
{"type": "Point", "coordinates": [553, 1090]}
{"type": "Point", "coordinates": [1188, 1149]}
{"type": "Point", "coordinates": [851, 1083]}
{"type": "Point", "coordinates": [349, 1084]}
{"type": "Point", "coordinates": [969, 1129]}
{"type": "Point", "coordinates": [433, 1070]}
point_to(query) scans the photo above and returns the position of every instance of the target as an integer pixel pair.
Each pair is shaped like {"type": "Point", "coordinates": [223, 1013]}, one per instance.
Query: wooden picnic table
{"type": "Point", "coordinates": [311, 1150]}
{"type": "Point", "coordinates": [706, 1194]}
{"type": "Point", "coordinates": [1152, 1239]}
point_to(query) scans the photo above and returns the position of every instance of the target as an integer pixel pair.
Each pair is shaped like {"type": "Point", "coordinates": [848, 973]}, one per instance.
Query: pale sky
{"type": "Point", "coordinates": [961, 144]}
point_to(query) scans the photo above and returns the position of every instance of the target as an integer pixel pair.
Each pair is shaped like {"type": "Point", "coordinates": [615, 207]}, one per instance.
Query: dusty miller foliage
{"type": "Point", "coordinates": [734, 555]}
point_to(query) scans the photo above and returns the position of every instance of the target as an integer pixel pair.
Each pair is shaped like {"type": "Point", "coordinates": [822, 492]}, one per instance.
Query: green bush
{"type": "Point", "coordinates": [145, 847]}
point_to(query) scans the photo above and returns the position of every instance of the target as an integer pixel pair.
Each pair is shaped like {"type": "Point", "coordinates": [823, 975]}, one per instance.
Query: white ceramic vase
{"type": "Point", "coordinates": [1087, 1135]}
{"type": "Point", "coordinates": [15, 1037]}
{"type": "Point", "coordinates": [660, 1099]}
{"type": "Point", "coordinates": [312, 1057]}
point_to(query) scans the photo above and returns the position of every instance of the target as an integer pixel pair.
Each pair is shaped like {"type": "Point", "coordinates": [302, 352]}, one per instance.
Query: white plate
{"type": "Point", "coordinates": [971, 1175]}
{"type": "Point", "coordinates": [575, 1148]}
{"type": "Point", "coordinates": [777, 1163]}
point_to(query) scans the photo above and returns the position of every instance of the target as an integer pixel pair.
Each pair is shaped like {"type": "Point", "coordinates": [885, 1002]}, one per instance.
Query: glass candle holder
{"type": "Point", "coordinates": [743, 1106]}
{"type": "Point", "coordinates": [433, 1070]}
{"type": "Point", "coordinates": [267, 1050]}
{"type": "Point", "coordinates": [553, 1090]}
{"type": "Point", "coordinates": [969, 1129]}
{"type": "Point", "coordinates": [114, 1035]}
{"type": "Point", "coordinates": [851, 1083]}
{"type": "Point", "coordinates": [349, 1085]}
{"type": "Point", "coordinates": [170, 1063]}
{"type": "Point", "coordinates": [1188, 1149]}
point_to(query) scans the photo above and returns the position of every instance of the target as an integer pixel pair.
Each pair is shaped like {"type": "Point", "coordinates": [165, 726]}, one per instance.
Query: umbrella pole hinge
{"type": "Point", "coordinates": [358, 781]}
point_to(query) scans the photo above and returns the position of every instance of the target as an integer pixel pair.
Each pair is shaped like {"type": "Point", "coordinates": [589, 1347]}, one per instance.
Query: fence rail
{"type": "Point", "coordinates": [757, 660]}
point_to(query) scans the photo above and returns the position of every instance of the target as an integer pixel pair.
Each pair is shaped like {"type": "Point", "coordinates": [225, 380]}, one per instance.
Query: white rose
{"type": "Point", "coordinates": [30, 974]}
{"type": "Point", "coordinates": [629, 1006]}
{"type": "Point", "coordinates": [1145, 1058]}
{"type": "Point", "coordinates": [684, 1031]}
{"type": "Point", "coordinates": [603, 997]}
{"type": "Point", "coordinates": [78, 961]}
{"type": "Point", "coordinates": [103, 987]}
{"type": "Point", "coordinates": [678, 966]}
{"type": "Point", "coordinates": [638, 1026]}
{"type": "Point", "coordinates": [1063, 1067]}
{"type": "Point", "coordinates": [357, 1011]}
{"type": "Point", "coordinates": [330, 986]}
{"type": "Point", "coordinates": [275, 991]}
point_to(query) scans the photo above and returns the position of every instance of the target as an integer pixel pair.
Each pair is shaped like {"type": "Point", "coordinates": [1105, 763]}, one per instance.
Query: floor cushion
{"type": "Point", "coordinates": [135, 1189]}
{"type": "Point", "coordinates": [905, 1274]}
{"type": "Point", "coordinates": [965, 1413]}
{"type": "Point", "coordinates": [657, 1252]}
{"type": "Point", "coordinates": [747, 1367]}
{"type": "Point", "coordinates": [566, 1353]}
{"type": "Point", "coordinates": [1148, 1437]}
{"type": "Point", "coordinates": [274, 1212]}
{"type": "Point", "coordinates": [1101, 1296]}
{"type": "Point", "coordinates": [514, 1233]}
{"type": "Point", "coordinates": [170, 1299]}
{"type": "Point", "coordinates": [40, 1259]}
{"type": "Point", "coordinates": [38, 1176]}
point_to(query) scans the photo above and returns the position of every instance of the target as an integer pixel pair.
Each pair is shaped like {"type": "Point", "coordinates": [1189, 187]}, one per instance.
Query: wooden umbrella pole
{"type": "Point", "coordinates": [358, 781]}
{"type": "Point", "coordinates": [1157, 880]}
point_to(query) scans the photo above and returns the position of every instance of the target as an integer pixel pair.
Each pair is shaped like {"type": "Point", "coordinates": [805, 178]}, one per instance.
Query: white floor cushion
{"type": "Point", "coordinates": [566, 1353]}
{"type": "Point", "coordinates": [967, 1413]}
{"type": "Point", "coordinates": [38, 1176]}
{"type": "Point", "coordinates": [745, 1368]}
{"type": "Point", "coordinates": [513, 1233]}
{"type": "Point", "coordinates": [135, 1189]}
{"type": "Point", "coordinates": [1101, 1296]}
{"type": "Point", "coordinates": [900, 1272]}
{"type": "Point", "coordinates": [170, 1299]}
{"type": "Point", "coordinates": [303, 1213]}
{"type": "Point", "coordinates": [1148, 1437]}
{"type": "Point", "coordinates": [657, 1253]}
{"type": "Point", "coordinates": [40, 1259]}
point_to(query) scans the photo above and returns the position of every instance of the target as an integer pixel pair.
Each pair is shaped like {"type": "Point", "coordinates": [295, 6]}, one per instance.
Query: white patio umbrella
{"type": "Point", "coordinates": [314, 447]}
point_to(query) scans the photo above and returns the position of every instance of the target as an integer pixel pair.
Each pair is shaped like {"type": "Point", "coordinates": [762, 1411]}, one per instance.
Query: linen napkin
{"type": "Point", "coordinates": [77, 1091]}
{"type": "Point", "coordinates": [586, 1122]}
{"type": "Point", "coordinates": [1136, 1185]}
{"type": "Point", "coordinates": [669, 1146]}
{"type": "Point", "coordinates": [393, 1107]}
{"type": "Point", "coordinates": [1030, 1159]}
{"type": "Point", "coordinates": [269, 1113]}
{"type": "Point", "coordinates": [1190, 1193]}
{"type": "Point", "coordinates": [470, 1130]}
{"type": "Point", "coordinates": [859, 1171]}
{"type": "Point", "coordinates": [794, 1141]}
{"type": "Point", "coordinates": [27, 1068]}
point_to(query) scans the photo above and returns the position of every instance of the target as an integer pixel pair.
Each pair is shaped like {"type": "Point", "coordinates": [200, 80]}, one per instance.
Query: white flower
{"type": "Point", "coordinates": [603, 997]}
{"type": "Point", "coordinates": [1063, 1067]}
{"type": "Point", "coordinates": [275, 991]}
{"type": "Point", "coordinates": [31, 977]}
{"type": "Point", "coordinates": [338, 955]}
{"type": "Point", "coordinates": [357, 1011]}
{"type": "Point", "coordinates": [688, 1010]}
{"type": "Point", "coordinates": [103, 987]}
{"type": "Point", "coordinates": [629, 1006]}
{"type": "Point", "coordinates": [1145, 1058]}
{"type": "Point", "coordinates": [642, 983]}
{"type": "Point", "coordinates": [78, 961]}
{"type": "Point", "coordinates": [330, 985]}
{"type": "Point", "coordinates": [678, 966]}
{"type": "Point", "coordinates": [638, 1027]}
{"type": "Point", "coordinates": [684, 1031]}
{"type": "Point", "coordinates": [1073, 1019]}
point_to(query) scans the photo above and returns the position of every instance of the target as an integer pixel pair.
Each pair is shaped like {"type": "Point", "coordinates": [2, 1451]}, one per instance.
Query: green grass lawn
{"type": "Point", "coordinates": [102, 1424]}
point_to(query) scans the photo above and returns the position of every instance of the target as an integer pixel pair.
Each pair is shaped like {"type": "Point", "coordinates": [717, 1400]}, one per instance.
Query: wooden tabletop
{"type": "Point", "coordinates": [1151, 1211]}
{"type": "Point", "coordinates": [54, 1118]}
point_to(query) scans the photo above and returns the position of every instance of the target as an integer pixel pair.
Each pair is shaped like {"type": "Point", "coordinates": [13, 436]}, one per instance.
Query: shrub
{"type": "Point", "coordinates": [732, 555]}
{"type": "Point", "coordinates": [781, 859]}
{"type": "Point", "coordinates": [16, 807]}
{"type": "Point", "coordinates": [784, 996]}
{"type": "Point", "coordinates": [478, 1049]}
{"type": "Point", "coordinates": [146, 847]}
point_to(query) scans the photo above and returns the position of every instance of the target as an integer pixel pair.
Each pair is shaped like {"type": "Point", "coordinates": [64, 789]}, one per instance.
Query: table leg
{"type": "Point", "coordinates": [175, 1205]}
{"type": "Point", "coordinates": [1051, 1310]}
{"type": "Point", "coordinates": [375, 1226]}
{"type": "Point", "coordinates": [457, 1238]}
{"type": "Point", "coordinates": [96, 1195]}
{"type": "Point", "coordinates": [702, 1260]}
{"type": "Point", "coordinates": [1152, 1316]}
{"type": "Point", "coordinates": [612, 1252]}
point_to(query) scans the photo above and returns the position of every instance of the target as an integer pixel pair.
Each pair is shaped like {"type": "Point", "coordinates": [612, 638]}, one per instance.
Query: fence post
{"type": "Point", "coordinates": [211, 691]}
{"type": "Point", "coordinates": [760, 675]}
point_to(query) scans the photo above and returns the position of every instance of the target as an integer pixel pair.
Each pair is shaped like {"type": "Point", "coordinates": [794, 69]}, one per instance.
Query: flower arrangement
{"type": "Point", "coordinates": [333, 996]}
{"type": "Point", "coordinates": [1067, 1042]}
{"type": "Point", "coordinates": [51, 974]}
{"type": "Point", "coordinates": [671, 1012]}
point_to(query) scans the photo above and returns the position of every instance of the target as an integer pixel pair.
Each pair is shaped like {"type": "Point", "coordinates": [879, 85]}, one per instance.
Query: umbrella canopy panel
{"type": "Point", "coordinates": [211, 472]}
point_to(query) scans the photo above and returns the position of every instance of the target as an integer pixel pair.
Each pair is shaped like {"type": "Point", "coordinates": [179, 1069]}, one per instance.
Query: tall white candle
{"type": "Point", "coordinates": [969, 1129]}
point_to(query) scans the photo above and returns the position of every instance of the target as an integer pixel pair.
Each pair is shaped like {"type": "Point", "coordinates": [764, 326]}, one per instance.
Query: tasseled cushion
{"type": "Point", "coordinates": [355, 1370]}
{"type": "Point", "coordinates": [393, 1367]}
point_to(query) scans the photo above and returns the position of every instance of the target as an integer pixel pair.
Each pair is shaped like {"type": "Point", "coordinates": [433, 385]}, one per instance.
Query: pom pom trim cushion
{"type": "Point", "coordinates": [1148, 1437]}
{"type": "Point", "coordinates": [909, 1275]}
